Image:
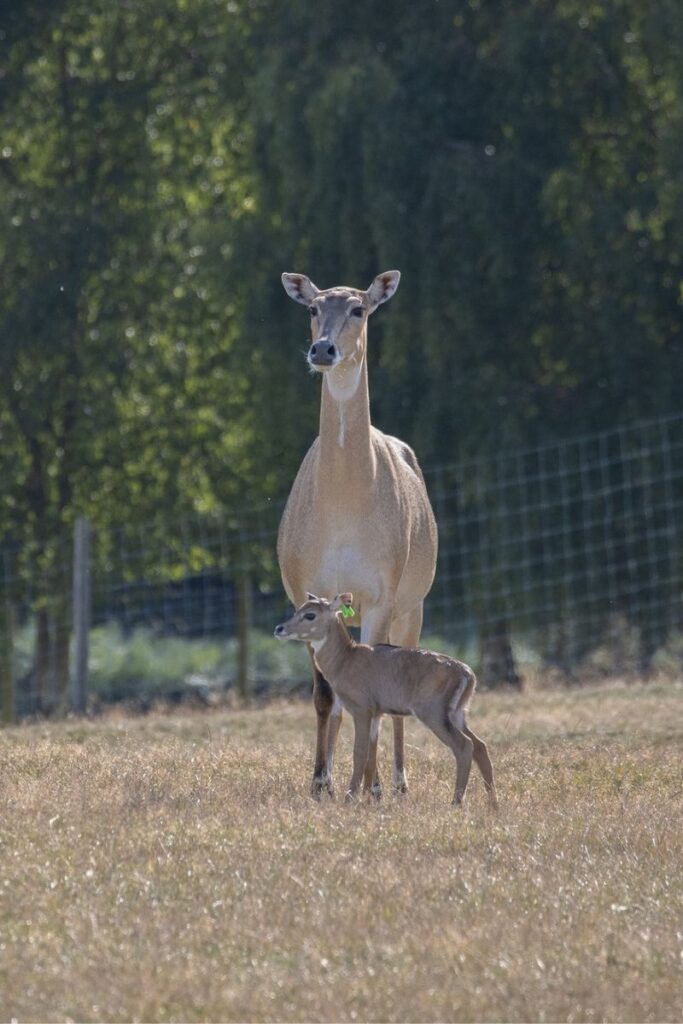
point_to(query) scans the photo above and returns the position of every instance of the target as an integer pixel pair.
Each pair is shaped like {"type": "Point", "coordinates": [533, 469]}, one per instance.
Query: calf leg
{"type": "Point", "coordinates": [398, 775]}
{"type": "Point", "coordinates": [323, 701]}
{"type": "Point", "coordinates": [463, 749]}
{"type": "Point", "coordinates": [333, 733]}
{"type": "Point", "coordinates": [370, 780]}
{"type": "Point", "coordinates": [405, 631]}
{"type": "Point", "coordinates": [461, 745]}
{"type": "Point", "coordinates": [361, 742]}
{"type": "Point", "coordinates": [374, 629]}
{"type": "Point", "coordinates": [483, 761]}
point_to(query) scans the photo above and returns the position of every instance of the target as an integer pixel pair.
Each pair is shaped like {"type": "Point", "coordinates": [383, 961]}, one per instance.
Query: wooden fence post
{"type": "Point", "coordinates": [81, 611]}
{"type": "Point", "coordinates": [244, 616]}
{"type": "Point", "coordinates": [8, 708]}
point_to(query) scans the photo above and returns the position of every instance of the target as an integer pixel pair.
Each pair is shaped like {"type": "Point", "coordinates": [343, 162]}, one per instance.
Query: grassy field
{"type": "Point", "coordinates": [173, 867]}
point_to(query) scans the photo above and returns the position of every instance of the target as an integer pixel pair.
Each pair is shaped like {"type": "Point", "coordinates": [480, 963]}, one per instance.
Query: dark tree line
{"type": "Point", "coordinates": [161, 163]}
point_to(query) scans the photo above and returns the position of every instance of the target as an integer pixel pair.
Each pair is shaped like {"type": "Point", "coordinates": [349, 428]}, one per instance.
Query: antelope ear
{"type": "Point", "coordinates": [382, 288]}
{"type": "Point", "coordinates": [300, 288]}
{"type": "Point", "coordinates": [340, 600]}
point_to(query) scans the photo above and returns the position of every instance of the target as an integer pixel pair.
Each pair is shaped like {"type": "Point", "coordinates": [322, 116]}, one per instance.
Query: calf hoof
{"type": "Point", "coordinates": [321, 783]}
{"type": "Point", "coordinates": [350, 797]}
{"type": "Point", "coordinates": [373, 789]}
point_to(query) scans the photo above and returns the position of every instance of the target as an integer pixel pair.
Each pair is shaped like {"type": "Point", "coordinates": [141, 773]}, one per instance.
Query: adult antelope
{"type": "Point", "coordinates": [358, 516]}
{"type": "Point", "coordinates": [372, 680]}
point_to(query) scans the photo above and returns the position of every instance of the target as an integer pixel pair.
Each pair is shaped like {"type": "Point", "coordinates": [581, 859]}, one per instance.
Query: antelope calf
{"type": "Point", "coordinates": [375, 680]}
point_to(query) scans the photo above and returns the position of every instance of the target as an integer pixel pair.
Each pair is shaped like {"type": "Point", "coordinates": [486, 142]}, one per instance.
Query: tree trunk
{"type": "Point", "coordinates": [7, 695]}
{"type": "Point", "coordinates": [244, 617]}
{"type": "Point", "coordinates": [40, 699]}
{"type": "Point", "coordinates": [497, 659]}
{"type": "Point", "coordinates": [62, 636]}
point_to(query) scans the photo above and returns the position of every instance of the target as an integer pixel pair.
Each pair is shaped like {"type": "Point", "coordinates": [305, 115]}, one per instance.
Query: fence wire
{"type": "Point", "coordinates": [564, 558]}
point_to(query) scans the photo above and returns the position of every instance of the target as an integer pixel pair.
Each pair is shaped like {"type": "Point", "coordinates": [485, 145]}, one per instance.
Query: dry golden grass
{"type": "Point", "coordinates": [174, 868]}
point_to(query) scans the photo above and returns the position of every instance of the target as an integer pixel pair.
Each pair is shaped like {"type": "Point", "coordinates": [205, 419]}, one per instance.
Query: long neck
{"type": "Point", "coordinates": [334, 652]}
{"type": "Point", "coordinates": [345, 419]}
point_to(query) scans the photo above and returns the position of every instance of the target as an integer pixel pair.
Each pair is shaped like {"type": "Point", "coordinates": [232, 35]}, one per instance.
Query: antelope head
{"type": "Point", "coordinates": [339, 317]}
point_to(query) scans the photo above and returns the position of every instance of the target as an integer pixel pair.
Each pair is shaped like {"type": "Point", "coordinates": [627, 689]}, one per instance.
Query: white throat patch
{"type": "Point", "coordinates": [343, 385]}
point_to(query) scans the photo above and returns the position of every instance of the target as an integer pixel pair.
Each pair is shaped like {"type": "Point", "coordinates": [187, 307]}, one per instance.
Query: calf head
{"type": "Point", "coordinates": [313, 619]}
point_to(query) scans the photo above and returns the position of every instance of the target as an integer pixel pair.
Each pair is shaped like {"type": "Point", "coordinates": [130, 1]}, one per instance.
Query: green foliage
{"type": "Point", "coordinates": [519, 164]}
{"type": "Point", "coordinates": [118, 385]}
{"type": "Point", "coordinates": [161, 163]}
{"type": "Point", "coordinates": [145, 664]}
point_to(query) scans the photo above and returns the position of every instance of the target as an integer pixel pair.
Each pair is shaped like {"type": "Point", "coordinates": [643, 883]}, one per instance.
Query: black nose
{"type": "Point", "coordinates": [322, 353]}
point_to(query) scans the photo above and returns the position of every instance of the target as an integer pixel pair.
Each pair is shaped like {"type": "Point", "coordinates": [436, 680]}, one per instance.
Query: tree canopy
{"type": "Point", "coordinates": [161, 164]}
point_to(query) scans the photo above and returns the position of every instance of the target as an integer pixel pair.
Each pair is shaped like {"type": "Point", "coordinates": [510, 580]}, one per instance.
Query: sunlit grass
{"type": "Point", "coordinates": [173, 867]}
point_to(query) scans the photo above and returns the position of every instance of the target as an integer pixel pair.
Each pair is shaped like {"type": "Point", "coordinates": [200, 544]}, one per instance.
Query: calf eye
{"type": "Point", "coordinates": [357, 311]}
{"type": "Point", "coordinates": [309, 615]}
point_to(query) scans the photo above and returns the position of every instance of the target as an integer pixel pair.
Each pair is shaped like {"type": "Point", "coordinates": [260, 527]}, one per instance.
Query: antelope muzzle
{"type": "Point", "coordinates": [322, 353]}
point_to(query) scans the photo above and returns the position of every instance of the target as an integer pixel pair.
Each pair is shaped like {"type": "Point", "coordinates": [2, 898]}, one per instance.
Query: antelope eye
{"type": "Point", "coordinates": [312, 310]}
{"type": "Point", "coordinates": [309, 615]}
{"type": "Point", "coordinates": [357, 311]}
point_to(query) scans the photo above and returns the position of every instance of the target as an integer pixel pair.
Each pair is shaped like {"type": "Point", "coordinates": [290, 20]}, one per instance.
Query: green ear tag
{"type": "Point", "coordinates": [347, 611]}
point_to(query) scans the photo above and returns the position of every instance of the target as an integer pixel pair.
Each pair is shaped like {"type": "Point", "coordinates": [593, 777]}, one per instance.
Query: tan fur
{"type": "Point", "coordinates": [372, 680]}
{"type": "Point", "coordinates": [358, 515]}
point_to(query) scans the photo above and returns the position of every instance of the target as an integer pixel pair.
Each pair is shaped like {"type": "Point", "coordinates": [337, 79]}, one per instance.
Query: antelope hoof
{"type": "Point", "coordinates": [399, 782]}
{"type": "Point", "coordinates": [350, 797]}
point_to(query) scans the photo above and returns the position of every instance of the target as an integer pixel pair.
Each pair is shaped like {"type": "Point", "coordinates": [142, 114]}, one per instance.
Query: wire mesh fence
{"type": "Point", "coordinates": [565, 558]}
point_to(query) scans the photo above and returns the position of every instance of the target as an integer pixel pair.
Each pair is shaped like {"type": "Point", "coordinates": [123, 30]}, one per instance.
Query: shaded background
{"type": "Point", "coordinates": [521, 163]}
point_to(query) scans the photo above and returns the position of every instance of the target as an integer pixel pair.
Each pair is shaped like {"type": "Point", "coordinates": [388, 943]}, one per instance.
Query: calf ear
{"type": "Point", "coordinates": [300, 288]}
{"type": "Point", "coordinates": [312, 597]}
{"type": "Point", "coordinates": [382, 288]}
